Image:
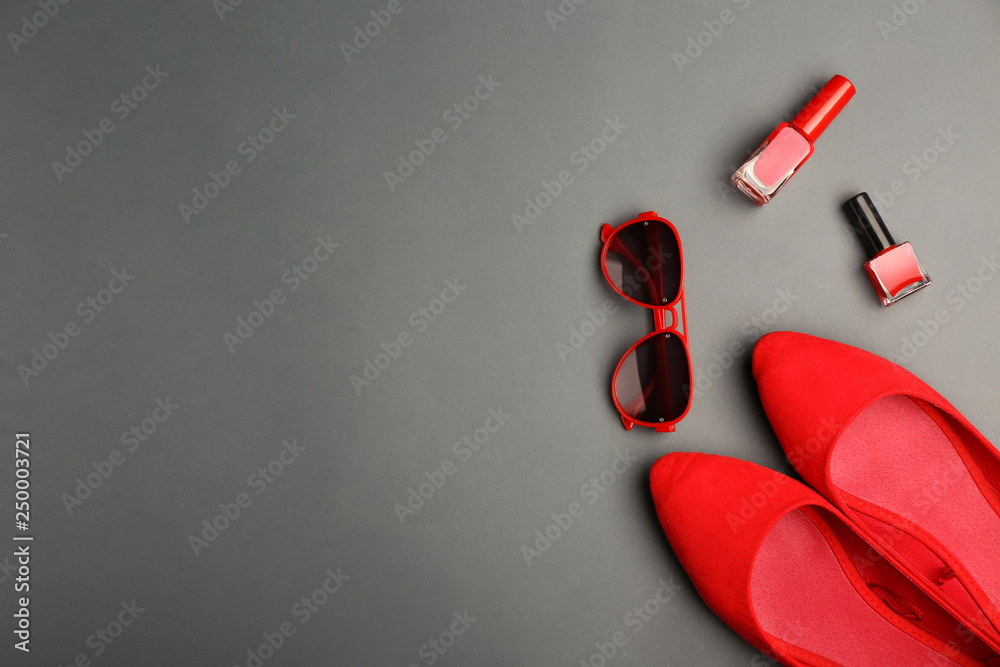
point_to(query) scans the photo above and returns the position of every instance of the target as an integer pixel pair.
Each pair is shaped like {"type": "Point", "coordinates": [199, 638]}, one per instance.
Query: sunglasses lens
{"type": "Point", "coordinates": [644, 262]}
{"type": "Point", "coordinates": [653, 381]}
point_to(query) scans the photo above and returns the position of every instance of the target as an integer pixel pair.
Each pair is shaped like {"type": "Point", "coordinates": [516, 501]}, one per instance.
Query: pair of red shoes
{"type": "Point", "coordinates": [896, 561]}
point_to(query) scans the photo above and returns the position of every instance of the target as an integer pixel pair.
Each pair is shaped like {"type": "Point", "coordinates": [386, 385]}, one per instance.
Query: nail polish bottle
{"type": "Point", "coordinates": [893, 270]}
{"type": "Point", "coordinates": [791, 144]}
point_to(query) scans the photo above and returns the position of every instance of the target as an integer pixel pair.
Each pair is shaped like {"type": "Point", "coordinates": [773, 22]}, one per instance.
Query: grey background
{"type": "Point", "coordinates": [494, 347]}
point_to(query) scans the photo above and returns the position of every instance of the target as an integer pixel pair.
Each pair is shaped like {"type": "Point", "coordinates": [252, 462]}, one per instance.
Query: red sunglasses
{"type": "Point", "coordinates": [643, 261]}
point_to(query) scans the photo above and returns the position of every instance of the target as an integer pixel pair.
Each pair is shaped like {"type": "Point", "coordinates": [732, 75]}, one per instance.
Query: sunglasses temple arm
{"type": "Point", "coordinates": [663, 376]}
{"type": "Point", "coordinates": [634, 407]}
{"type": "Point", "coordinates": [660, 319]}
{"type": "Point", "coordinates": [620, 248]}
{"type": "Point", "coordinates": [656, 279]}
{"type": "Point", "coordinates": [653, 240]}
{"type": "Point", "coordinates": [660, 378]}
{"type": "Point", "coordinates": [663, 373]}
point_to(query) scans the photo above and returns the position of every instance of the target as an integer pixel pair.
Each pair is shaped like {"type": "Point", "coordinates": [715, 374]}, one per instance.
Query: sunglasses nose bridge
{"type": "Point", "coordinates": [660, 318]}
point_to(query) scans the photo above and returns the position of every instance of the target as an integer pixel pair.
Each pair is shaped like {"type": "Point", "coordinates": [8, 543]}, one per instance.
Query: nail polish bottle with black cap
{"type": "Point", "coordinates": [893, 270]}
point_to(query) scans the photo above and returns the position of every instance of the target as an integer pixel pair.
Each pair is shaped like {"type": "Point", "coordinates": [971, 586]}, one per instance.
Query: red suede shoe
{"type": "Point", "coordinates": [916, 479]}
{"type": "Point", "coordinates": [785, 570]}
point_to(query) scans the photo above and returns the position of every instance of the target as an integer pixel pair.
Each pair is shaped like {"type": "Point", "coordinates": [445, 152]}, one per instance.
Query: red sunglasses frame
{"type": "Point", "coordinates": [675, 308]}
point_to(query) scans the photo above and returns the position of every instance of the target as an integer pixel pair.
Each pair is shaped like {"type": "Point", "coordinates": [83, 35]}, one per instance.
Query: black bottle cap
{"type": "Point", "coordinates": [868, 224]}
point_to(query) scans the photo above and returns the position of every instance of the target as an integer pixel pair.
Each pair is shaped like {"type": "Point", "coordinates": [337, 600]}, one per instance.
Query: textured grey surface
{"type": "Point", "coordinates": [493, 348]}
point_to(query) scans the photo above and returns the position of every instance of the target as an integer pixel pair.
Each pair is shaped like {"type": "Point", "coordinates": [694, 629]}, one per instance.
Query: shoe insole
{"type": "Point", "coordinates": [894, 456]}
{"type": "Point", "coordinates": [802, 596]}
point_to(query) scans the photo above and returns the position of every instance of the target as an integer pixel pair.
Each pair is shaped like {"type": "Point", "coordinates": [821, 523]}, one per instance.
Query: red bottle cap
{"type": "Point", "coordinates": [824, 107]}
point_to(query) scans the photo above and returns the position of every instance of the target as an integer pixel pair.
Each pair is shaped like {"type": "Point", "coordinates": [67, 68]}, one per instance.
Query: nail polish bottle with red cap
{"type": "Point", "coordinates": [791, 144]}
{"type": "Point", "coordinates": [893, 270]}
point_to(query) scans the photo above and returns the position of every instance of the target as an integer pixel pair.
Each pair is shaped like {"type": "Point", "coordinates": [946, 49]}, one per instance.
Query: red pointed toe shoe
{"type": "Point", "coordinates": [914, 477]}
{"type": "Point", "coordinates": [784, 569]}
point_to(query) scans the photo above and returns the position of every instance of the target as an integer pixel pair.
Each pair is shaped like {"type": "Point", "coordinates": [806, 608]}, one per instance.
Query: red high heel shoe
{"type": "Point", "coordinates": [916, 479]}
{"type": "Point", "coordinates": [785, 570]}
